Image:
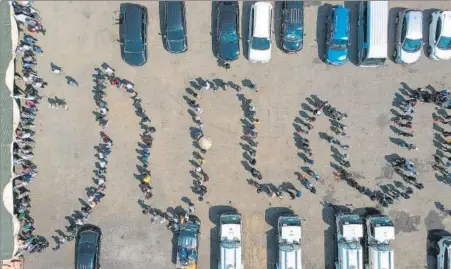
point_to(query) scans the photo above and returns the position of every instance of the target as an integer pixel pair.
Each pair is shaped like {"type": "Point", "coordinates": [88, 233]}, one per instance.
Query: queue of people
{"type": "Point", "coordinates": [28, 99]}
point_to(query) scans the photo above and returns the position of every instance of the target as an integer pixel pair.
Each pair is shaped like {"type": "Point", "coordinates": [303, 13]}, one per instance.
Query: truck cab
{"type": "Point", "coordinates": [444, 256]}
{"type": "Point", "coordinates": [188, 243]}
{"type": "Point", "coordinates": [289, 235]}
{"type": "Point", "coordinates": [380, 231]}
{"type": "Point", "coordinates": [349, 242]}
{"type": "Point", "coordinates": [230, 255]}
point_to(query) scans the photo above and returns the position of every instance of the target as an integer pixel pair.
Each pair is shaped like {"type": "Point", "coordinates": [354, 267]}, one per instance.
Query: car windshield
{"type": "Point", "coordinates": [134, 46]}
{"type": "Point", "coordinates": [175, 35]}
{"type": "Point", "coordinates": [293, 33]}
{"type": "Point", "coordinates": [339, 44]}
{"type": "Point", "coordinates": [412, 45]}
{"type": "Point", "coordinates": [259, 43]}
{"type": "Point", "coordinates": [230, 243]}
{"type": "Point", "coordinates": [288, 247]}
{"type": "Point", "coordinates": [444, 43]}
{"type": "Point", "coordinates": [87, 248]}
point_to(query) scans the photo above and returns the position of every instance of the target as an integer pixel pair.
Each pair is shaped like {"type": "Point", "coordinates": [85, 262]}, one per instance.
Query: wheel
{"type": "Point", "coordinates": [429, 51]}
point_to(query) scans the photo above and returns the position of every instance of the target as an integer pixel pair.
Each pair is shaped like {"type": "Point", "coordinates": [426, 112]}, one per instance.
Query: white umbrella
{"type": "Point", "coordinates": [205, 143]}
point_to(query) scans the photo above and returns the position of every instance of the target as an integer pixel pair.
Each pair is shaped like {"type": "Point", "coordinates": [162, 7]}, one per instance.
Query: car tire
{"type": "Point", "coordinates": [429, 51]}
{"type": "Point", "coordinates": [395, 55]}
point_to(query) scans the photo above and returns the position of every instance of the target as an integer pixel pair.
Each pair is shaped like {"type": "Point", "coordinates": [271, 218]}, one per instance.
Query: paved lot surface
{"type": "Point", "coordinates": [82, 35]}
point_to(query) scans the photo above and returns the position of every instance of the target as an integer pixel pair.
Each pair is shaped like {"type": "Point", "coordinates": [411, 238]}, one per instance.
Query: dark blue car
{"type": "Point", "coordinates": [227, 33]}
{"type": "Point", "coordinates": [175, 27]}
{"type": "Point", "coordinates": [133, 33]}
{"type": "Point", "coordinates": [337, 40]}
{"type": "Point", "coordinates": [87, 247]}
{"type": "Point", "coordinates": [292, 26]}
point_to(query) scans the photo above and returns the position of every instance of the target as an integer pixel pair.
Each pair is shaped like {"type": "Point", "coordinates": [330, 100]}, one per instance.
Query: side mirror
{"type": "Point", "coordinates": [120, 42]}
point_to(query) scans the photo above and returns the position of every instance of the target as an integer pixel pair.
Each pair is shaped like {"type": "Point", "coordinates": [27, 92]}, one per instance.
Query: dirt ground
{"type": "Point", "coordinates": [82, 35]}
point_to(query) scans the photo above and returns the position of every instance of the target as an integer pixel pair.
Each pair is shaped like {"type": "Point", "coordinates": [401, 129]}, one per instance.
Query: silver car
{"type": "Point", "coordinates": [409, 36]}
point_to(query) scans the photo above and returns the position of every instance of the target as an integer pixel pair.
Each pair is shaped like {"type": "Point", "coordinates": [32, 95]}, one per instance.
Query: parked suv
{"type": "Point", "coordinates": [292, 26]}
{"type": "Point", "coordinates": [409, 36]}
{"type": "Point", "coordinates": [87, 247]}
{"type": "Point", "coordinates": [260, 32]}
{"type": "Point", "coordinates": [337, 36]}
{"type": "Point", "coordinates": [133, 33]}
{"type": "Point", "coordinates": [227, 34]}
{"type": "Point", "coordinates": [440, 36]}
{"type": "Point", "coordinates": [175, 27]}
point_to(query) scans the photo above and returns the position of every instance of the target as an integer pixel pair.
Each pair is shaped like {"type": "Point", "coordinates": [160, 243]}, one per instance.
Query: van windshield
{"type": "Point", "coordinates": [259, 43]}
{"type": "Point", "coordinates": [133, 46]}
{"type": "Point", "coordinates": [444, 43]}
{"type": "Point", "coordinates": [412, 45]}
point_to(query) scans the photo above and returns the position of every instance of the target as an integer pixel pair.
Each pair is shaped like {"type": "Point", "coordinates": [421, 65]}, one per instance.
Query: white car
{"type": "Point", "coordinates": [439, 47]}
{"type": "Point", "coordinates": [444, 256]}
{"type": "Point", "coordinates": [260, 32]}
{"type": "Point", "coordinates": [409, 36]}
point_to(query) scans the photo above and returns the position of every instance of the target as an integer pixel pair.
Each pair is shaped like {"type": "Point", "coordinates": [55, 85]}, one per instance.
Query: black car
{"type": "Point", "coordinates": [175, 27]}
{"type": "Point", "coordinates": [227, 34]}
{"type": "Point", "coordinates": [133, 33]}
{"type": "Point", "coordinates": [87, 247]}
{"type": "Point", "coordinates": [292, 26]}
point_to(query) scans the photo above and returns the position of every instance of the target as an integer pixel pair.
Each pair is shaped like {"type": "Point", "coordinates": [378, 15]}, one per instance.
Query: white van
{"type": "Point", "coordinates": [230, 241]}
{"type": "Point", "coordinates": [349, 242]}
{"type": "Point", "coordinates": [372, 29]}
{"type": "Point", "coordinates": [380, 231]}
{"type": "Point", "coordinates": [290, 234]}
{"type": "Point", "coordinates": [444, 256]}
{"type": "Point", "coordinates": [259, 43]}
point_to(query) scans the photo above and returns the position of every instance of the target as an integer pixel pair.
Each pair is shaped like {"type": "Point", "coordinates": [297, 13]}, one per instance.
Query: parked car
{"type": "Point", "coordinates": [444, 255]}
{"type": "Point", "coordinates": [188, 243]}
{"type": "Point", "coordinates": [289, 232]}
{"type": "Point", "coordinates": [133, 33]}
{"type": "Point", "coordinates": [349, 229]}
{"type": "Point", "coordinates": [230, 244]}
{"type": "Point", "coordinates": [439, 47]}
{"type": "Point", "coordinates": [292, 32]}
{"type": "Point", "coordinates": [409, 36]}
{"type": "Point", "coordinates": [87, 247]}
{"type": "Point", "coordinates": [227, 34]}
{"type": "Point", "coordinates": [175, 27]}
{"type": "Point", "coordinates": [260, 32]}
{"type": "Point", "coordinates": [337, 36]}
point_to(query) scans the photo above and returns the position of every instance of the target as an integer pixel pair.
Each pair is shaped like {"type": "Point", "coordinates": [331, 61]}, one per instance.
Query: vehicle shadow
{"type": "Point", "coordinates": [161, 15]}
{"type": "Point", "coordinates": [245, 16]}
{"type": "Point", "coordinates": [392, 14]}
{"type": "Point", "coordinates": [214, 213]}
{"type": "Point", "coordinates": [426, 22]}
{"type": "Point", "coordinates": [271, 216]}
{"type": "Point", "coordinates": [277, 26]}
{"type": "Point", "coordinates": [353, 7]}
{"type": "Point", "coordinates": [432, 249]}
{"type": "Point", "coordinates": [213, 32]}
{"type": "Point", "coordinates": [323, 11]}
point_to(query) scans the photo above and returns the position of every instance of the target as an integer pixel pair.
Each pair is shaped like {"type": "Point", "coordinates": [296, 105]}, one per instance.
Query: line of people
{"type": "Point", "coordinates": [24, 169]}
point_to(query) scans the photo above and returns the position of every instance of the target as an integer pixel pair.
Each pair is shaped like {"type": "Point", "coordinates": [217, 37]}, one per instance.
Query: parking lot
{"type": "Point", "coordinates": [82, 35]}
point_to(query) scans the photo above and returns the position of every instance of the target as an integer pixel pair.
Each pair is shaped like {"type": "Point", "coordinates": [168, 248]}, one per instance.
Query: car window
{"type": "Point", "coordinates": [259, 43]}
{"type": "Point", "coordinates": [438, 30]}
{"type": "Point", "coordinates": [403, 29]}
{"type": "Point", "coordinates": [251, 30]}
{"type": "Point", "coordinates": [144, 26]}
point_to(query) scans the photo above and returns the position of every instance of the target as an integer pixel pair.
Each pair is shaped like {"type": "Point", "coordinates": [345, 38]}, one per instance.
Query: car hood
{"type": "Point", "coordinates": [337, 56]}
{"type": "Point", "coordinates": [292, 45]}
{"type": "Point", "coordinates": [176, 46]}
{"type": "Point", "coordinates": [442, 54]}
{"type": "Point", "coordinates": [229, 51]}
{"type": "Point", "coordinates": [409, 57]}
{"type": "Point", "coordinates": [261, 56]}
{"type": "Point", "coordinates": [134, 59]}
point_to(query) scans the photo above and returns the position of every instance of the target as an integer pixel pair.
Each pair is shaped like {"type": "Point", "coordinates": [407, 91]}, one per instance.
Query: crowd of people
{"type": "Point", "coordinates": [28, 99]}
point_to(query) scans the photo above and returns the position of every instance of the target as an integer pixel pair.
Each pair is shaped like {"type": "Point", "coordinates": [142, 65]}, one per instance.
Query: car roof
{"type": "Point", "coordinates": [133, 20]}
{"type": "Point", "coordinates": [294, 12]}
{"type": "Point", "coordinates": [174, 13]}
{"type": "Point", "coordinates": [262, 19]}
{"type": "Point", "coordinates": [446, 22]}
{"type": "Point", "coordinates": [341, 23]}
{"type": "Point", "coordinates": [415, 24]}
